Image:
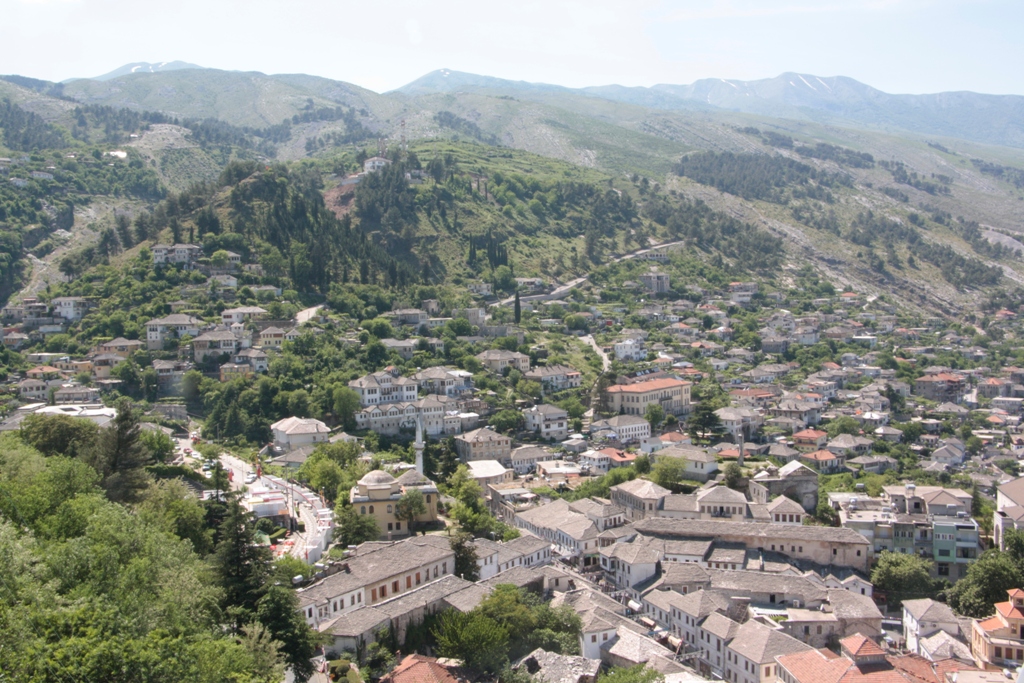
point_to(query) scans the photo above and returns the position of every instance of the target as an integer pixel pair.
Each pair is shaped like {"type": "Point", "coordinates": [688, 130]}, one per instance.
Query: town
{"type": "Point", "coordinates": [713, 483]}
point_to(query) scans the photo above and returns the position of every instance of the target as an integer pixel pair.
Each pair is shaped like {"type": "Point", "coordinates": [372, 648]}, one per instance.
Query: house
{"type": "Point", "coordinates": [121, 346]}
{"type": "Point", "coordinates": [293, 432]}
{"type": "Point", "coordinates": [824, 461]}
{"type": "Point", "coordinates": [655, 281]}
{"type": "Point", "coordinates": [555, 377]}
{"type": "Point", "coordinates": [230, 316]}
{"type": "Point", "coordinates": [386, 386]}
{"type": "Point", "coordinates": [672, 395]}
{"type": "Point", "coordinates": [808, 440]}
{"type": "Point", "coordinates": [374, 573]}
{"type": "Point", "coordinates": [186, 255]}
{"type": "Point", "coordinates": [940, 387]}
{"type": "Point", "coordinates": [445, 381]}
{"type": "Point", "coordinates": [215, 344]}
{"type": "Point", "coordinates": [419, 668]}
{"type": "Point", "coordinates": [630, 350]}
{"type": "Point", "coordinates": [639, 498]}
{"type": "Point", "coordinates": [374, 164]}
{"type": "Point", "coordinates": [924, 618]}
{"type": "Point", "coordinates": [70, 308]}
{"type": "Point", "coordinates": [272, 337]}
{"type": "Point", "coordinates": [600, 462]}
{"type": "Point", "coordinates": [547, 421]}
{"type": "Point", "coordinates": [76, 394]}
{"type": "Point", "coordinates": [740, 423]}
{"type": "Point", "coordinates": [525, 458]}
{"type": "Point", "coordinates": [700, 464]}
{"type": "Point", "coordinates": [161, 330]}
{"type": "Point", "coordinates": [496, 360]}
{"type": "Point", "coordinates": [998, 642]}
{"type": "Point", "coordinates": [378, 493]}
{"type": "Point", "coordinates": [862, 661]}
{"type": "Point", "coordinates": [483, 444]}
{"type": "Point", "coordinates": [486, 472]}
{"type": "Point", "coordinates": [625, 429]}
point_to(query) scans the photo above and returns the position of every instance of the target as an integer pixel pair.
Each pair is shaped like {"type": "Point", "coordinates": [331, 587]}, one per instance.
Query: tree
{"type": "Point", "coordinates": [170, 505]}
{"type": "Point", "coordinates": [704, 422]}
{"type": "Point", "coordinates": [409, 506]}
{"type": "Point", "coordinates": [220, 258]}
{"type": "Point", "coordinates": [465, 557]}
{"type": "Point", "coordinates": [902, 576]}
{"type": "Point", "coordinates": [59, 434]}
{"type": "Point", "coordinates": [352, 528]}
{"type": "Point", "coordinates": [479, 641]}
{"type": "Point", "coordinates": [506, 420]}
{"type": "Point", "coordinates": [120, 458]}
{"type": "Point", "coordinates": [323, 475]}
{"type": "Point", "coordinates": [642, 464]}
{"type": "Point", "coordinates": [278, 610]}
{"type": "Point", "coordinates": [669, 471]}
{"type": "Point", "coordinates": [346, 403]}
{"type": "Point", "coordinates": [842, 425]}
{"type": "Point", "coordinates": [986, 583]}
{"type": "Point", "coordinates": [240, 565]}
{"type": "Point", "coordinates": [159, 445]}
{"type": "Point", "coordinates": [654, 414]}
{"type": "Point", "coordinates": [517, 310]}
{"type": "Point", "coordinates": [733, 475]}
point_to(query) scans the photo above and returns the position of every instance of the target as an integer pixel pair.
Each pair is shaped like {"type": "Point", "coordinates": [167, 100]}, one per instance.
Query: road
{"type": "Point", "coordinates": [606, 362]}
{"type": "Point", "coordinates": [562, 290]}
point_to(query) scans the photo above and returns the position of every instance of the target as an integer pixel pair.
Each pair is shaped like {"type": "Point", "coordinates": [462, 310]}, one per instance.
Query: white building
{"type": "Point", "coordinates": [293, 432]}
{"type": "Point", "coordinates": [547, 421]}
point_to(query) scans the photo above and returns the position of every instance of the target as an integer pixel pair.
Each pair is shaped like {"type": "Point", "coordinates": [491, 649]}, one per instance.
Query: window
{"type": "Point", "coordinates": [834, 551]}
{"type": "Point", "coordinates": [819, 630]}
{"type": "Point", "coordinates": [593, 638]}
{"type": "Point", "coordinates": [362, 509]}
{"type": "Point", "coordinates": [373, 595]}
{"type": "Point", "coordinates": [999, 652]}
{"type": "Point", "coordinates": [398, 526]}
{"type": "Point", "coordinates": [394, 586]}
{"type": "Point", "coordinates": [371, 509]}
{"type": "Point", "coordinates": [408, 582]}
{"type": "Point", "coordinates": [390, 525]}
{"type": "Point", "coordinates": [858, 553]}
{"type": "Point", "coordinates": [604, 636]}
{"type": "Point", "coordinates": [417, 578]}
{"type": "Point", "coordinates": [428, 498]}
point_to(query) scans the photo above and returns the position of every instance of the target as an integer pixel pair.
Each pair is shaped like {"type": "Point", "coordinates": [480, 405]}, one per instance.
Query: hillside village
{"type": "Point", "coordinates": [470, 414]}
{"type": "Point", "coordinates": [705, 477]}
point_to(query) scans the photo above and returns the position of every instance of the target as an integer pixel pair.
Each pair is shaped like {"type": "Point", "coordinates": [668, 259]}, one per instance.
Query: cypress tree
{"type": "Point", "coordinates": [518, 311]}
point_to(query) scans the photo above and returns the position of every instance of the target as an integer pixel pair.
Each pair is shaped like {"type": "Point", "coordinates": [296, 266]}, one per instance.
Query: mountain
{"type": "Point", "coordinates": [144, 67]}
{"type": "Point", "coordinates": [837, 100]}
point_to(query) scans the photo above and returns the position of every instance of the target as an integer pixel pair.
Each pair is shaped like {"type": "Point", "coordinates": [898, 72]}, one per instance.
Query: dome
{"type": "Point", "coordinates": [412, 478]}
{"type": "Point", "coordinates": [377, 477]}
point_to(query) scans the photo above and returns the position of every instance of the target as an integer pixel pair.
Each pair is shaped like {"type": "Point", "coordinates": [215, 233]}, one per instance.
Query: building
{"type": "Point", "coordinates": [998, 642]}
{"type": "Point", "coordinates": [793, 480]}
{"type": "Point", "coordinates": [1009, 512]}
{"type": "Point", "coordinates": [186, 255]}
{"type": "Point", "coordinates": [70, 308]}
{"type": "Point", "coordinates": [439, 415]}
{"type": "Point", "coordinates": [418, 668]}
{"type": "Point", "coordinates": [630, 350]}
{"type": "Point", "coordinates": [215, 344]}
{"type": "Point", "coordinates": [293, 432]}
{"type": "Point", "coordinates": [374, 573]}
{"type": "Point", "coordinates": [374, 164]}
{"type": "Point", "coordinates": [161, 330]}
{"type": "Point", "coordinates": [445, 381]}
{"type": "Point", "coordinates": [818, 545]}
{"type": "Point", "coordinates": [639, 498]}
{"type": "Point", "coordinates": [862, 661]}
{"type": "Point", "coordinates": [555, 377]}
{"type": "Point", "coordinates": [655, 281]}
{"type": "Point", "coordinates": [483, 444]}
{"type": "Point", "coordinates": [924, 618]}
{"type": "Point", "coordinates": [624, 429]}
{"type": "Point", "coordinates": [700, 464]}
{"type": "Point", "coordinates": [242, 314]}
{"type": "Point", "coordinates": [673, 395]}
{"type": "Point", "coordinates": [941, 387]}
{"type": "Point", "coordinates": [378, 493]}
{"type": "Point", "coordinates": [488, 472]}
{"type": "Point", "coordinates": [386, 386]}
{"type": "Point", "coordinates": [496, 360]}
{"type": "Point", "coordinates": [121, 346]}
{"type": "Point", "coordinates": [547, 421]}
{"type": "Point", "coordinates": [525, 458]}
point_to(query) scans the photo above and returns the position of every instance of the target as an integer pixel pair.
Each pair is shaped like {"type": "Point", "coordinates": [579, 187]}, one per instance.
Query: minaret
{"type": "Point", "coordinates": [418, 445]}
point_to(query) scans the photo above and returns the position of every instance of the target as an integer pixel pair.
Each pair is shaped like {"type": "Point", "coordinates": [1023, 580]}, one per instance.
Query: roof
{"type": "Point", "coordinates": [709, 528]}
{"type": "Point", "coordinates": [300, 425]}
{"type": "Point", "coordinates": [762, 645]}
{"type": "Point", "coordinates": [649, 385]}
{"type": "Point", "coordinates": [641, 488]}
{"type": "Point", "coordinates": [1014, 490]}
{"type": "Point", "coordinates": [419, 669]}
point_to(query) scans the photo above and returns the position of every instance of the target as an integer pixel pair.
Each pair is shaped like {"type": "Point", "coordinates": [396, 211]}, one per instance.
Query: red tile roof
{"type": "Point", "coordinates": [644, 387]}
{"type": "Point", "coordinates": [419, 669]}
{"type": "Point", "coordinates": [1009, 610]}
{"type": "Point", "coordinates": [859, 645]}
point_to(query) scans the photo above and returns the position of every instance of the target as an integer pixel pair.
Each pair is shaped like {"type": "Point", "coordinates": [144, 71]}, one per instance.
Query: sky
{"type": "Point", "coordinates": [899, 46]}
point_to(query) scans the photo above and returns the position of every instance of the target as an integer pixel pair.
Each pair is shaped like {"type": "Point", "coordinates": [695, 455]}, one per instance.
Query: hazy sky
{"type": "Point", "coordinates": [910, 46]}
